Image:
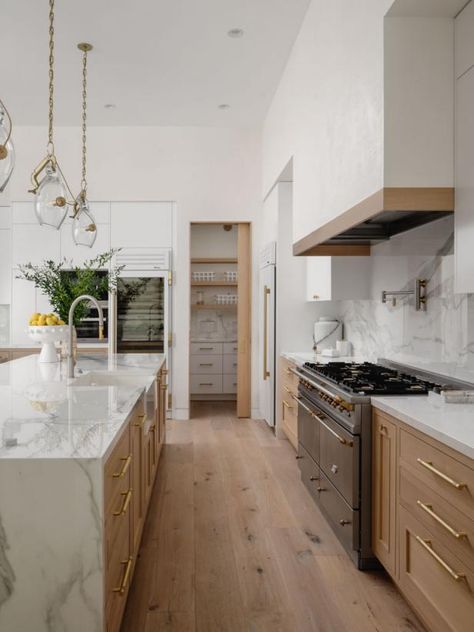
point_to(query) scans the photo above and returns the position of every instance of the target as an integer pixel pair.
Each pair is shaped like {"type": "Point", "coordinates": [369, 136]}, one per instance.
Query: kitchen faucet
{"type": "Point", "coordinates": [84, 297]}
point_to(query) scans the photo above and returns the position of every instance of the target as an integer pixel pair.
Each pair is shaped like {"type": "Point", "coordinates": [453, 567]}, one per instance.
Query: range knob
{"type": "Point", "coordinates": [334, 404]}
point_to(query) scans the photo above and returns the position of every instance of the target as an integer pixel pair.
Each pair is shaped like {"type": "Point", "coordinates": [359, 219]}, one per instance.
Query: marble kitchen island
{"type": "Point", "coordinates": [77, 463]}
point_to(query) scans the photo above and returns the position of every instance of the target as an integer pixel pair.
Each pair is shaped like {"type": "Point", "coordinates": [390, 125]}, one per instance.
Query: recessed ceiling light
{"type": "Point", "coordinates": [110, 106]}
{"type": "Point", "coordinates": [235, 33]}
{"type": "Point", "coordinates": [223, 106]}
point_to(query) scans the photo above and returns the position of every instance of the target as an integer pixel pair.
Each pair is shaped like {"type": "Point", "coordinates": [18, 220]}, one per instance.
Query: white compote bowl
{"type": "Point", "coordinates": [47, 335]}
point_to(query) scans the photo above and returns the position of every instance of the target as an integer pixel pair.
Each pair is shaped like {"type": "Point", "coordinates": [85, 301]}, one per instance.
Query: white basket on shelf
{"type": "Point", "coordinates": [203, 276]}
{"type": "Point", "coordinates": [230, 276]}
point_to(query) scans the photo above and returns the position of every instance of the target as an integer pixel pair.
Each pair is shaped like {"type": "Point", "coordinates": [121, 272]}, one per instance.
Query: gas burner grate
{"type": "Point", "coordinates": [371, 379]}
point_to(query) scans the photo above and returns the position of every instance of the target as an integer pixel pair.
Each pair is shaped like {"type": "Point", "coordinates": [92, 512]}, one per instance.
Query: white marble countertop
{"type": "Point", "coordinates": [44, 415]}
{"type": "Point", "coordinates": [451, 424]}
{"type": "Point", "coordinates": [33, 345]}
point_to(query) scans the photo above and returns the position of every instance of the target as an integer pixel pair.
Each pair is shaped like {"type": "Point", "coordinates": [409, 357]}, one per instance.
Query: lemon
{"type": "Point", "coordinates": [61, 322]}
{"type": "Point", "coordinates": [50, 321]}
{"type": "Point", "coordinates": [42, 320]}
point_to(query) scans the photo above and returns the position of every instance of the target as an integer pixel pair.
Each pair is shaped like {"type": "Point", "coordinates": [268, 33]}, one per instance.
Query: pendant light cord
{"type": "Point", "coordinates": [51, 79]}
{"type": "Point", "coordinates": [84, 126]}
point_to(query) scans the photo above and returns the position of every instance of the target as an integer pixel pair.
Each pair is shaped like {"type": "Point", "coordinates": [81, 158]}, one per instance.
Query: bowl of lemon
{"type": "Point", "coordinates": [47, 329]}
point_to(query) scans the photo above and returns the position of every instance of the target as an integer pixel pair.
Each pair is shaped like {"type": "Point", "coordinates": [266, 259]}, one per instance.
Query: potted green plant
{"type": "Point", "coordinates": [61, 287]}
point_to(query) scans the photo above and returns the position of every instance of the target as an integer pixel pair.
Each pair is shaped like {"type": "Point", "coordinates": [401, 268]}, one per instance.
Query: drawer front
{"type": "Point", "coordinates": [117, 581]}
{"type": "Point", "coordinates": [450, 478]}
{"type": "Point", "coordinates": [209, 364]}
{"type": "Point", "coordinates": [230, 364]}
{"type": "Point", "coordinates": [344, 520]}
{"type": "Point", "coordinates": [229, 383]}
{"type": "Point", "coordinates": [206, 348]}
{"type": "Point", "coordinates": [431, 578]}
{"type": "Point", "coordinates": [452, 527]}
{"type": "Point", "coordinates": [4, 357]}
{"type": "Point", "coordinates": [287, 376]}
{"type": "Point", "coordinates": [230, 347]}
{"type": "Point", "coordinates": [339, 458]}
{"type": "Point", "coordinates": [308, 429]}
{"type": "Point", "coordinates": [309, 472]}
{"type": "Point", "coordinates": [117, 470]}
{"type": "Point", "coordinates": [206, 384]}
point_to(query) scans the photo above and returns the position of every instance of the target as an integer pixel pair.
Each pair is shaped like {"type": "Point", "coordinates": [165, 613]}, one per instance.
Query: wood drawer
{"type": "Point", "coordinates": [206, 384]}
{"type": "Point", "coordinates": [288, 377]}
{"type": "Point", "coordinates": [117, 470]}
{"type": "Point", "coordinates": [446, 522]}
{"type": "Point", "coordinates": [117, 581]}
{"type": "Point", "coordinates": [230, 364]}
{"type": "Point", "coordinates": [117, 520]}
{"type": "Point", "coordinates": [229, 384]}
{"type": "Point", "coordinates": [429, 582]}
{"type": "Point", "coordinates": [450, 478]}
{"type": "Point", "coordinates": [230, 347]}
{"type": "Point", "coordinates": [207, 364]}
{"type": "Point", "coordinates": [206, 348]}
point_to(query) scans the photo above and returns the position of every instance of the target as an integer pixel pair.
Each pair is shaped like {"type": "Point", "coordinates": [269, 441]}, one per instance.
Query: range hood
{"type": "Point", "coordinates": [386, 213]}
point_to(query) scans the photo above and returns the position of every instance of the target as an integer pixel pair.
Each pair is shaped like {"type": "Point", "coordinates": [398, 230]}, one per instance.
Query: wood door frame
{"type": "Point", "coordinates": [244, 311]}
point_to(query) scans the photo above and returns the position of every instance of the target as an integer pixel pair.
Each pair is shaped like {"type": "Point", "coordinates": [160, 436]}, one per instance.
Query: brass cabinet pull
{"type": "Point", "coordinates": [139, 424]}
{"type": "Point", "coordinates": [286, 404]}
{"type": "Point", "coordinates": [429, 510]}
{"type": "Point", "coordinates": [123, 584]}
{"type": "Point", "coordinates": [126, 464]}
{"type": "Point", "coordinates": [266, 292]}
{"type": "Point", "coordinates": [321, 489]}
{"type": "Point", "coordinates": [127, 496]}
{"type": "Point", "coordinates": [164, 371]}
{"type": "Point", "coordinates": [344, 522]}
{"type": "Point", "coordinates": [314, 478]}
{"type": "Point", "coordinates": [290, 392]}
{"type": "Point", "coordinates": [334, 433]}
{"type": "Point", "coordinates": [429, 466]}
{"type": "Point", "coordinates": [427, 545]}
{"type": "Point", "coordinates": [164, 387]}
{"type": "Point", "coordinates": [299, 456]}
{"type": "Point", "coordinates": [383, 430]}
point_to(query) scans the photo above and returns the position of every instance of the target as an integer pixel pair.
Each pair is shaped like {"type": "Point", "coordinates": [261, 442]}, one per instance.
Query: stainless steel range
{"type": "Point", "coordinates": [334, 440]}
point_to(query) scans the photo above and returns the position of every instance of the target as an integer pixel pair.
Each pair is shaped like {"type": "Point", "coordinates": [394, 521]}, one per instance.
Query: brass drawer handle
{"type": "Point", "coordinates": [139, 424]}
{"type": "Point", "coordinates": [344, 522]}
{"type": "Point", "coordinates": [164, 387]}
{"type": "Point", "coordinates": [290, 392]}
{"type": "Point", "coordinates": [126, 464]}
{"type": "Point", "coordinates": [286, 404]}
{"type": "Point", "coordinates": [427, 545]}
{"type": "Point", "coordinates": [429, 466]}
{"type": "Point", "coordinates": [314, 478]}
{"type": "Point", "coordinates": [123, 584]}
{"type": "Point", "coordinates": [334, 433]}
{"type": "Point", "coordinates": [321, 489]}
{"type": "Point", "coordinates": [127, 497]}
{"type": "Point", "coordinates": [164, 371]}
{"type": "Point", "coordinates": [299, 456]}
{"type": "Point", "coordinates": [429, 510]}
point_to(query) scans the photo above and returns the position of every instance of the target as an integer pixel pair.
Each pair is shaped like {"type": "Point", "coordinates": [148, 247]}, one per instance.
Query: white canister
{"type": "Point", "coordinates": [344, 347]}
{"type": "Point", "coordinates": [327, 331]}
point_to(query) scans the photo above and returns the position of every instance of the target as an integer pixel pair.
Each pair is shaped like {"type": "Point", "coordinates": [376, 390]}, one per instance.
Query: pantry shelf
{"type": "Point", "coordinates": [214, 306]}
{"type": "Point", "coordinates": [214, 283]}
{"type": "Point", "coordinates": [214, 260]}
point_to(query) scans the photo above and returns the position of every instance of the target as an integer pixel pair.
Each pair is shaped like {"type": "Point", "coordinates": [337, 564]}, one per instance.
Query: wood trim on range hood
{"type": "Point", "coordinates": [397, 208]}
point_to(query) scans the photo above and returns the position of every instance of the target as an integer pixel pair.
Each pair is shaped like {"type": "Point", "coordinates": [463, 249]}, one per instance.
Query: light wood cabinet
{"type": "Point", "coordinates": [384, 436]}
{"type": "Point", "coordinates": [287, 409]}
{"type": "Point", "coordinates": [423, 517]}
{"type": "Point", "coordinates": [129, 476]}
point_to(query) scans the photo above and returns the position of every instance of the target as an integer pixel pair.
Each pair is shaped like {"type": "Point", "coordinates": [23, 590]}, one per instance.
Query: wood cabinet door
{"type": "Point", "coordinates": [384, 501]}
{"type": "Point", "coordinates": [137, 486]}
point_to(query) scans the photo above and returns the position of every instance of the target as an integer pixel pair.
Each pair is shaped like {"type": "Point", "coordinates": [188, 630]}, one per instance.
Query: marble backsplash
{"type": "Point", "coordinates": [440, 339]}
{"type": "Point", "coordinates": [216, 325]}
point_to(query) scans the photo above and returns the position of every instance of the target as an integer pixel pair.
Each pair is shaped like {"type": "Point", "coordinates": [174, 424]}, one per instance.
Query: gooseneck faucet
{"type": "Point", "coordinates": [91, 299]}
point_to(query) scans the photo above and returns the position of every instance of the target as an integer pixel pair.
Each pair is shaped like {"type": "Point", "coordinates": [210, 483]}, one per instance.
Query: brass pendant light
{"type": "Point", "coordinates": [49, 185]}
{"type": "Point", "coordinates": [7, 150]}
{"type": "Point", "coordinates": [84, 229]}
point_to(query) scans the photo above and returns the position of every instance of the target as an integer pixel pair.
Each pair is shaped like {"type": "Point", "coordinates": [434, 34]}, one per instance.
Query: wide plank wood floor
{"type": "Point", "coordinates": [234, 543]}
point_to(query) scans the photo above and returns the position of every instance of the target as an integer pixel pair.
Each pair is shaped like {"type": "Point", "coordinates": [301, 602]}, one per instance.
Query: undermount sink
{"type": "Point", "coordinates": [109, 378]}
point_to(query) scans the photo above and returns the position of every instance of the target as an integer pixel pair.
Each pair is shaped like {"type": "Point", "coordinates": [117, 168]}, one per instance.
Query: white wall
{"type": "Point", "coordinates": [211, 174]}
{"type": "Point", "coordinates": [328, 112]}
{"type": "Point", "coordinates": [419, 102]}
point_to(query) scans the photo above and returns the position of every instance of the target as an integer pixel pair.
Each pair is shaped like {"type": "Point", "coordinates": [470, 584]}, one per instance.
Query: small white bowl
{"type": "Point", "coordinates": [47, 335]}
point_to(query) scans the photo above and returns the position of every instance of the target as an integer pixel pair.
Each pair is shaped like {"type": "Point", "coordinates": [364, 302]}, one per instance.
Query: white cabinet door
{"type": "Point", "coordinates": [23, 305]}
{"type": "Point", "coordinates": [464, 40]}
{"type": "Point", "coordinates": [464, 182]}
{"type": "Point", "coordinates": [5, 217]}
{"type": "Point", "coordinates": [34, 243]}
{"type": "Point", "coordinates": [5, 267]}
{"type": "Point", "coordinates": [24, 213]}
{"type": "Point", "coordinates": [338, 278]}
{"type": "Point", "coordinates": [142, 224]}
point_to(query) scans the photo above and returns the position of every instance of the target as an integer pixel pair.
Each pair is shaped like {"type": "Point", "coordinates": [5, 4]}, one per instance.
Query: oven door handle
{"type": "Point", "coordinates": [334, 433]}
{"type": "Point", "coordinates": [300, 403]}
{"type": "Point", "coordinates": [318, 386]}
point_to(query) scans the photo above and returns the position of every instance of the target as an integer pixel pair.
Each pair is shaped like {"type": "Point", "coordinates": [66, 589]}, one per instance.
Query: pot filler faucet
{"type": "Point", "coordinates": [84, 297]}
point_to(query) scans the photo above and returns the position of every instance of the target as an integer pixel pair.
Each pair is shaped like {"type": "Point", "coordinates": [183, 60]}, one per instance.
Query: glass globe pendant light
{"type": "Point", "coordinates": [7, 150]}
{"type": "Point", "coordinates": [49, 185]}
{"type": "Point", "coordinates": [84, 229]}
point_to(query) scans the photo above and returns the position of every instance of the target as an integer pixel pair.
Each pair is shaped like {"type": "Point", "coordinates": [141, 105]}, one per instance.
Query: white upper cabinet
{"type": "Point", "coordinates": [464, 40]}
{"type": "Point", "coordinates": [5, 217]}
{"type": "Point", "coordinates": [337, 278]}
{"type": "Point", "coordinates": [24, 213]}
{"type": "Point", "coordinates": [5, 267]}
{"type": "Point", "coordinates": [34, 243]}
{"type": "Point", "coordinates": [141, 224]}
{"type": "Point", "coordinates": [464, 170]}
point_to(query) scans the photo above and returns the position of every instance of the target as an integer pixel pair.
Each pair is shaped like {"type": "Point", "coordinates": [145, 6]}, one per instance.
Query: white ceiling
{"type": "Point", "coordinates": [426, 8]}
{"type": "Point", "coordinates": [162, 62]}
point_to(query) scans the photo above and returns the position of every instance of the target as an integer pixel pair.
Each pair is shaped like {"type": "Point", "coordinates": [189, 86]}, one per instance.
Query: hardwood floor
{"type": "Point", "coordinates": [234, 543]}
